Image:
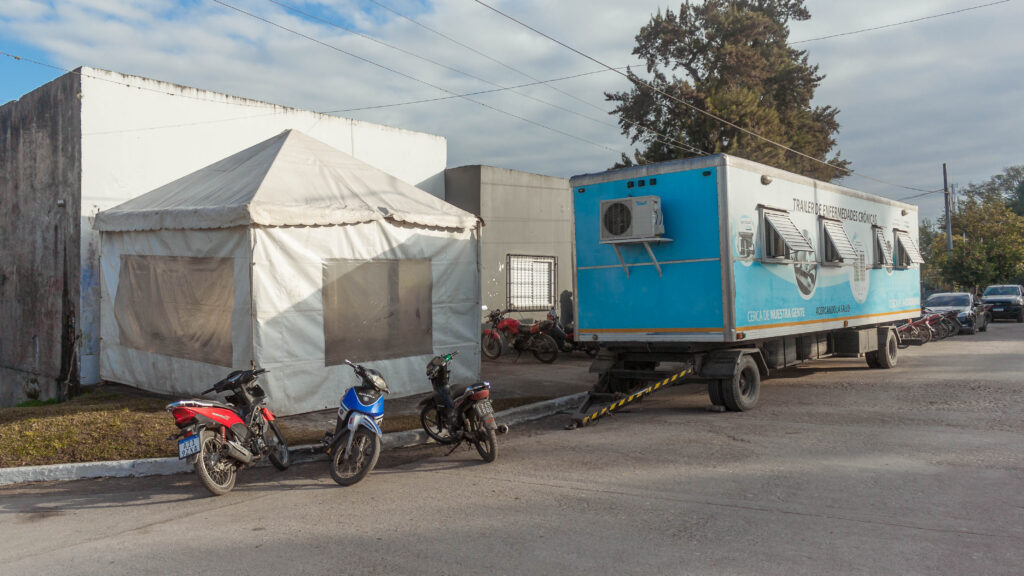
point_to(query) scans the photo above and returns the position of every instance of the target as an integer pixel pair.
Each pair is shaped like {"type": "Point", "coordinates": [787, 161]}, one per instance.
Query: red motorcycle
{"type": "Point", "coordinates": [221, 438]}
{"type": "Point", "coordinates": [519, 336]}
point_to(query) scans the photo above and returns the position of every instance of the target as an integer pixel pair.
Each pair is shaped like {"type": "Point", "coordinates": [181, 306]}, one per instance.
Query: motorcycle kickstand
{"type": "Point", "coordinates": [455, 446]}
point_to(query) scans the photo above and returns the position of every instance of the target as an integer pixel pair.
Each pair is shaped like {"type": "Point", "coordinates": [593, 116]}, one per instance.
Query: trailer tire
{"type": "Point", "coordinates": [715, 392]}
{"type": "Point", "coordinates": [872, 359]}
{"type": "Point", "coordinates": [887, 354]}
{"type": "Point", "coordinates": [740, 392]}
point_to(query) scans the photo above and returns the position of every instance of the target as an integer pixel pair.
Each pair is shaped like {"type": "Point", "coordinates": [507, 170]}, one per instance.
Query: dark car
{"type": "Point", "coordinates": [970, 311]}
{"type": "Point", "coordinates": [1005, 301]}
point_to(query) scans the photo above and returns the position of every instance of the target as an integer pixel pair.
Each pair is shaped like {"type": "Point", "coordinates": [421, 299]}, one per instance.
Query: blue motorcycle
{"type": "Point", "coordinates": [354, 446]}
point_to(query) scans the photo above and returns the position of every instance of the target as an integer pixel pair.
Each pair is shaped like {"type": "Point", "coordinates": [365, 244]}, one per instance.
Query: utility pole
{"type": "Point", "coordinates": [949, 224]}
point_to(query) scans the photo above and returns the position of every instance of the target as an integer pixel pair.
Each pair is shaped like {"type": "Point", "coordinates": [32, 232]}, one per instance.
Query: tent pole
{"type": "Point", "coordinates": [252, 304]}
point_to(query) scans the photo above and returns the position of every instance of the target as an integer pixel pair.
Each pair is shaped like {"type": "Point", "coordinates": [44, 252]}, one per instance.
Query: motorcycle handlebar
{"type": "Point", "coordinates": [236, 379]}
{"type": "Point", "coordinates": [359, 369]}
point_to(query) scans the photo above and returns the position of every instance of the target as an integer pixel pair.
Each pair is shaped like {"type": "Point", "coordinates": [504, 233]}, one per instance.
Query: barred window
{"type": "Point", "coordinates": [531, 282]}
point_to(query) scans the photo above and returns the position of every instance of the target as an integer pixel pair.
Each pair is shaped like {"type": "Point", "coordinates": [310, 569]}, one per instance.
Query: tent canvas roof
{"type": "Point", "coordinates": [288, 180]}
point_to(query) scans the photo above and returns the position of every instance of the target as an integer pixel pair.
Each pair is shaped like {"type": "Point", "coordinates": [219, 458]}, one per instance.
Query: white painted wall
{"type": "Point", "coordinates": [137, 138]}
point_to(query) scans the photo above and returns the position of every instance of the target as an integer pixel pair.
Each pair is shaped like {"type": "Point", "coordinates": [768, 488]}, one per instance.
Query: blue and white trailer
{"type": "Point", "coordinates": [735, 268]}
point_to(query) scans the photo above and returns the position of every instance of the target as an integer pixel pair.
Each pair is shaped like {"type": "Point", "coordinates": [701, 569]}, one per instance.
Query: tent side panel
{"type": "Point", "coordinates": [174, 314]}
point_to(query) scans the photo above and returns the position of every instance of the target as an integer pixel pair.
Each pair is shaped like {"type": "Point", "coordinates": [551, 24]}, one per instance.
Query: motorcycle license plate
{"type": "Point", "coordinates": [484, 408]}
{"type": "Point", "coordinates": [188, 446]}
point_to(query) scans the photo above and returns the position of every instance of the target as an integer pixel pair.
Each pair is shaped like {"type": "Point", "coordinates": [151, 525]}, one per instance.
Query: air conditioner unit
{"type": "Point", "coordinates": [631, 218]}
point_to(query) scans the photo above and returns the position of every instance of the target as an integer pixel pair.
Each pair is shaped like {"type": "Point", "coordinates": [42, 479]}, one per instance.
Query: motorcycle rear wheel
{"type": "Point", "coordinates": [435, 426]}
{"type": "Point", "coordinates": [485, 440]}
{"type": "Point", "coordinates": [278, 455]}
{"type": "Point", "coordinates": [216, 472]}
{"type": "Point", "coordinates": [365, 452]}
{"type": "Point", "coordinates": [490, 345]}
{"type": "Point", "coordinates": [544, 348]}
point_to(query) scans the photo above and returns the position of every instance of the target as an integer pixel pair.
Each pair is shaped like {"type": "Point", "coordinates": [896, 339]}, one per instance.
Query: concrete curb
{"type": "Point", "coordinates": [167, 466]}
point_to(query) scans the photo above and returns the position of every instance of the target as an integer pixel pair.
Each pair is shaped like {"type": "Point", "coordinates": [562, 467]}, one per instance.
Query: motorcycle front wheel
{"type": "Point", "coordinates": [544, 348]}
{"type": "Point", "coordinates": [215, 471]}
{"type": "Point", "coordinates": [365, 452]}
{"type": "Point", "coordinates": [278, 455]}
{"type": "Point", "coordinates": [435, 426]}
{"type": "Point", "coordinates": [485, 440]}
{"type": "Point", "coordinates": [490, 345]}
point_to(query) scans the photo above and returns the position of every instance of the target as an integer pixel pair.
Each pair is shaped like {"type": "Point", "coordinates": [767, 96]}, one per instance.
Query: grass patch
{"type": "Point", "coordinates": [98, 425]}
{"type": "Point", "coordinates": [120, 424]}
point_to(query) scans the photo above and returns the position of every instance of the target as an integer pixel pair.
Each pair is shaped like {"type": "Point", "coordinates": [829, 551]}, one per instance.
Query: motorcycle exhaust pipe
{"type": "Point", "coordinates": [238, 452]}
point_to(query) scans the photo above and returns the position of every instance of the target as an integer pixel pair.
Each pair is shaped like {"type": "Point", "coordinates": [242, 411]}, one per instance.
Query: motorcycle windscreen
{"type": "Point", "coordinates": [176, 306]}
{"type": "Point", "coordinates": [377, 309]}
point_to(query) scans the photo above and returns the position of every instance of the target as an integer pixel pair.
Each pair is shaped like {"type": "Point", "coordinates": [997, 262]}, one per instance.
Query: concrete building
{"type": "Point", "coordinates": [526, 252]}
{"type": "Point", "coordinates": [92, 139]}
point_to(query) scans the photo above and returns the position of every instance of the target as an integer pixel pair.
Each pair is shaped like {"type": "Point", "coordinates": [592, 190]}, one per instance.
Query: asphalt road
{"type": "Point", "coordinates": [839, 470]}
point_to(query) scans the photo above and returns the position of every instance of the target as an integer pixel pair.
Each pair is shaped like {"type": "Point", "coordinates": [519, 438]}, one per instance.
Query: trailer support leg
{"type": "Point", "coordinates": [600, 405]}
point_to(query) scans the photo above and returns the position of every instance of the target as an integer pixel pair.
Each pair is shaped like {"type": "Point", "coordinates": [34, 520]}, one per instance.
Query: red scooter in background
{"type": "Point", "coordinates": [520, 337]}
{"type": "Point", "coordinates": [221, 438]}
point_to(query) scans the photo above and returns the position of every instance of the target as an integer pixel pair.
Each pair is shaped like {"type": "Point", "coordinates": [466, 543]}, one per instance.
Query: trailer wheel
{"type": "Point", "coordinates": [739, 393]}
{"type": "Point", "coordinates": [715, 392]}
{"type": "Point", "coordinates": [886, 355]}
{"type": "Point", "coordinates": [872, 359]}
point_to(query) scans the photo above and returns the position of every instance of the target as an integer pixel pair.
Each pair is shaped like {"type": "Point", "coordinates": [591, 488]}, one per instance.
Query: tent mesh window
{"type": "Point", "coordinates": [176, 306]}
{"type": "Point", "coordinates": [530, 282]}
{"type": "Point", "coordinates": [377, 309]}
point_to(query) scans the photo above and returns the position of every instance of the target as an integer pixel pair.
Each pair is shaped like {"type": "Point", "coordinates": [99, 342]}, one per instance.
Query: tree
{"type": "Point", "coordinates": [1007, 187]}
{"type": "Point", "coordinates": [988, 242]}
{"type": "Point", "coordinates": [736, 63]}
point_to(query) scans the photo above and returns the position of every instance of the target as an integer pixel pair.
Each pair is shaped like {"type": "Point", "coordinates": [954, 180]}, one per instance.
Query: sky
{"type": "Point", "coordinates": [944, 89]}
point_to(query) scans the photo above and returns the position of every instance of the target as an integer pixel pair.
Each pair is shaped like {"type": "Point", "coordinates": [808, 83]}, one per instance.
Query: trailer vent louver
{"type": "Point", "coordinates": [631, 218]}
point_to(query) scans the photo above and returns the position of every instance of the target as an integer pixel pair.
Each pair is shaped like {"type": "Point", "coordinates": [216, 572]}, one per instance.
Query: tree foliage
{"type": "Point", "coordinates": [733, 61]}
{"type": "Point", "coordinates": [988, 239]}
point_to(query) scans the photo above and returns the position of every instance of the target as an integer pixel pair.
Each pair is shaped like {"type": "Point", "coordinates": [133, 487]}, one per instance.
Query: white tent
{"type": "Point", "coordinates": [291, 256]}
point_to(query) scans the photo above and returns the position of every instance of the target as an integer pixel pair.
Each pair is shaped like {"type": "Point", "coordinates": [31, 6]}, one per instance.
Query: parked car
{"type": "Point", "coordinates": [1005, 300]}
{"type": "Point", "coordinates": [971, 312]}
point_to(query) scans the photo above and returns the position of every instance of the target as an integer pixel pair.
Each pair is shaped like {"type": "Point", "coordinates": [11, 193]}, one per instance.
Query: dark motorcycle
{"type": "Point", "coordinates": [221, 438]}
{"type": "Point", "coordinates": [355, 444]}
{"type": "Point", "coordinates": [467, 418]}
{"type": "Point", "coordinates": [565, 337]}
{"type": "Point", "coordinates": [520, 337]}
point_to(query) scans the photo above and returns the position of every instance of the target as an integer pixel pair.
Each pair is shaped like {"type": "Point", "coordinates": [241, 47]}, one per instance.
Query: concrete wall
{"type": "Point", "coordinates": [97, 138]}
{"type": "Point", "coordinates": [523, 213]}
{"type": "Point", "coordinates": [40, 176]}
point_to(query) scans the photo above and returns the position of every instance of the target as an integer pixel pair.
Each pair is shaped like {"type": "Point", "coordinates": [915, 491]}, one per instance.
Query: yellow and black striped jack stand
{"type": "Point", "coordinates": [588, 412]}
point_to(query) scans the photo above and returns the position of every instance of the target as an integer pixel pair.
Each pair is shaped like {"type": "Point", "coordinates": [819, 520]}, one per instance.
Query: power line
{"type": "Point", "coordinates": [413, 78]}
{"type": "Point", "coordinates": [899, 23]}
{"type": "Point", "coordinates": [687, 104]}
{"type": "Point", "coordinates": [661, 138]}
{"type": "Point", "coordinates": [920, 195]}
{"type": "Point", "coordinates": [422, 101]}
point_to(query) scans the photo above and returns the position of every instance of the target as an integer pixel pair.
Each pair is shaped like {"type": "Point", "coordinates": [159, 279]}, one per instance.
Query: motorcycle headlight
{"type": "Point", "coordinates": [377, 380]}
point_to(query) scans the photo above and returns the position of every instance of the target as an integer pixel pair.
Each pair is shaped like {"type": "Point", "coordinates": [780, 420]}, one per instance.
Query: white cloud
{"type": "Point", "coordinates": [911, 97]}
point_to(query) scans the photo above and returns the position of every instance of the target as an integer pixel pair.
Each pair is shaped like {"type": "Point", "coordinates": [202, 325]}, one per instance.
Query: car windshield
{"type": "Point", "coordinates": [948, 300]}
{"type": "Point", "coordinates": [1002, 291]}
